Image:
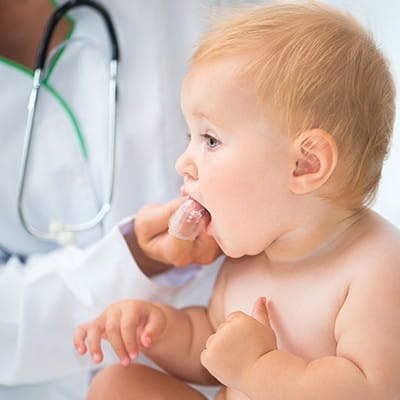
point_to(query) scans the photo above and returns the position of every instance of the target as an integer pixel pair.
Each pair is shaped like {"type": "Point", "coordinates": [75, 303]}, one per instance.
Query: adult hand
{"type": "Point", "coordinates": [237, 344]}
{"type": "Point", "coordinates": [151, 229]}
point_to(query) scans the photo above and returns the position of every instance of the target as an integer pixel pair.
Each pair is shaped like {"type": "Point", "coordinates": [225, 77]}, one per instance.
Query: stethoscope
{"type": "Point", "coordinates": [57, 231]}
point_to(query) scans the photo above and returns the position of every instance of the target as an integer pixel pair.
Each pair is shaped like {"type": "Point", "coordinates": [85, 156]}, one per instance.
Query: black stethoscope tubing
{"type": "Point", "coordinates": [60, 13]}
{"type": "Point", "coordinates": [58, 231]}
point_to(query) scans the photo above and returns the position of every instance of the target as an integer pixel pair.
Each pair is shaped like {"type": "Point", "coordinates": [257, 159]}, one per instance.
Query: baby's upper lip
{"type": "Point", "coordinates": [187, 194]}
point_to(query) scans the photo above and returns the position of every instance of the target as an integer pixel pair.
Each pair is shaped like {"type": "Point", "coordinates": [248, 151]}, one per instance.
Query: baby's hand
{"type": "Point", "coordinates": [237, 344]}
{"type": "Point", "coordinates": [128, 326]}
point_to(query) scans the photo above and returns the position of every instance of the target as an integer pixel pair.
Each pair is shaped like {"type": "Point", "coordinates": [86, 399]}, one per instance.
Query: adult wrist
{"type": "Point", "coordinates": [149, 266]}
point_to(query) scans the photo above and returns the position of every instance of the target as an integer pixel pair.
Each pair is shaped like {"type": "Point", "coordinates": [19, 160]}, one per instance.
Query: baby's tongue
{"type": "Point", "coordinates": [185, 222]}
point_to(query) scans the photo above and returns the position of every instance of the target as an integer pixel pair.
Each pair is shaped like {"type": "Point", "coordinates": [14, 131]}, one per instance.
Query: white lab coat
{"type": "Point", "coordinates": [44, 298]}
{"type": "Point", "coordinates": [45, 291]}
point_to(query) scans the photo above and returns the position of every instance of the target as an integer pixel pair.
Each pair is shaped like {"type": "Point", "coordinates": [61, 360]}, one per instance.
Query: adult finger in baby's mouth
{"type": "Point", "coordinates": [185, 223]}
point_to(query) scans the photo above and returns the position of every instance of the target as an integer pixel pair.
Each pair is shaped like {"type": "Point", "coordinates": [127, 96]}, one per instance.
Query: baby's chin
{"type": "Point", "coordinates": [225, 245]}
{"type": "Point", "coordinates": [191, 219]}
{"type": "Point", "coordinates": [232, 253]}
{"type": "Point", "coordinates": [234, 248]}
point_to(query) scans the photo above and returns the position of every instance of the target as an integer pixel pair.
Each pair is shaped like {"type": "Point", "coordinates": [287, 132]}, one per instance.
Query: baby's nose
{"type": "Point", "coordinates": [186, 166]}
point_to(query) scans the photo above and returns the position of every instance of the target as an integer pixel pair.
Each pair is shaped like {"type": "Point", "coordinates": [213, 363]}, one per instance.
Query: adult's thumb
{"type": "Point", "coordinates": [152, 219]}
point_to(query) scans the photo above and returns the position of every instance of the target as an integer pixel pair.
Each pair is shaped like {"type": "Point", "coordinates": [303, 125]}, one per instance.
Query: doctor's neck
{"type": "Point", "coordinates": [22, 24]}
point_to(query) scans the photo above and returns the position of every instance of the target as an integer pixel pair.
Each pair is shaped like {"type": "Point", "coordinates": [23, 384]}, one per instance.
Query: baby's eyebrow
{"type": "Point", "coordinates": [205, 120]}
{"type": "Point", "coordinates": [200, 115]}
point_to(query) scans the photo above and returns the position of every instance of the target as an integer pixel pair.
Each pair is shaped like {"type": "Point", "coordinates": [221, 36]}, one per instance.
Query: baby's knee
{"type": "Point", "coordinates": [117, 382]}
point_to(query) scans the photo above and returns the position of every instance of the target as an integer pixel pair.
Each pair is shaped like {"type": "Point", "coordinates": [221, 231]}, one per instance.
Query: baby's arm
{"type": "Point", "coordinates": [172, 338]}
{"type": "Point", "coordinates": [367, 360]}
{"type": "Point", "coordinates": [184, 338]}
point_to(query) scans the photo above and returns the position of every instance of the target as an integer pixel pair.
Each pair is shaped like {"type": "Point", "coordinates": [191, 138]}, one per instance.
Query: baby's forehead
{"type": "Point", "coordinates": [231, 77]}
{"type": "Point", "coordinates": [229, 66]}
{"type": "Point", "coordinates": [222, 73]}
{"type": "Point", "coordinates": [217, 90]}
{"type": "Point", "coordinates": [220, 78]}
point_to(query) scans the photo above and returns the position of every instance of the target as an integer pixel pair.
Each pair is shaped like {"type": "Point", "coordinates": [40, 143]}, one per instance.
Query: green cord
{"type": "Point", "coordinates": [52, 90]}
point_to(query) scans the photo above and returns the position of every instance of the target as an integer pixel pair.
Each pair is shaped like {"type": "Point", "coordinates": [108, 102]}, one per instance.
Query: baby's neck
{"type": "Point", "coordinates": [315, 235]}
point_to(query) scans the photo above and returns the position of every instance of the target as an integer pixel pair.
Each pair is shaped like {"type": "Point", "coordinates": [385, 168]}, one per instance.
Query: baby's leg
{"type": "Point", "coordinates": [139, 382]}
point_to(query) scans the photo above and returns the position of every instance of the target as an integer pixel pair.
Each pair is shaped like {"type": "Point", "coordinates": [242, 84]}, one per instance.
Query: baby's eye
{"type": "Point", "coordinates": [211, 141]}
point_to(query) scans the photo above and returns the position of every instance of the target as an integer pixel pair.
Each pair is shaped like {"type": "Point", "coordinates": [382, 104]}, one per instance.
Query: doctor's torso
{"type": "Point", "coordinates": [66, 170]}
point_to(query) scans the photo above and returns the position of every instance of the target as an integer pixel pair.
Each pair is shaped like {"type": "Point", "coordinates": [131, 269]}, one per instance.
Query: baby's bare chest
{"type": "Point", "coordinates": [303, 307]}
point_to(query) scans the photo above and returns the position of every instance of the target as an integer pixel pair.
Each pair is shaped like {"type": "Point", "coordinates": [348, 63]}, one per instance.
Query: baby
{"type": "Point", "coordinates": [290, 109]}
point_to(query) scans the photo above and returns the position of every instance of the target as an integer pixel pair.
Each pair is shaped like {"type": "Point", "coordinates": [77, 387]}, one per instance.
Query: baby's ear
{"type": "Point", "coordinates": [315, 158]}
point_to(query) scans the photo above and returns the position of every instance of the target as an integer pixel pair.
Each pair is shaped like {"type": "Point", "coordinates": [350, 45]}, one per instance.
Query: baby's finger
{"type": "Point", "coordinates": [94, 342]}
{"type": "Point", "coordinates": [79, 339]}
{"type": "Point", "coordinates": [129, 326]}
{"type": "Point", "coordinates": [113, 335]}
{"type": "Point", "coordinates": [260, 311]}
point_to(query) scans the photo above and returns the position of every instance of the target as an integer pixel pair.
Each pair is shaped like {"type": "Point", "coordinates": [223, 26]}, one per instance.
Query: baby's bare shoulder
{"type": "Point", "coordinates": [378, 248]}
{"type": "Point", "coordinates": [369, 317]}
{"type": "Point", "coordinates": [374, 266]}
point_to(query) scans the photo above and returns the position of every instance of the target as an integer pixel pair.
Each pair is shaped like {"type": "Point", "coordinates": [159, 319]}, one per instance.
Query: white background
{"type": "Point", "coordinates": [382, 18]}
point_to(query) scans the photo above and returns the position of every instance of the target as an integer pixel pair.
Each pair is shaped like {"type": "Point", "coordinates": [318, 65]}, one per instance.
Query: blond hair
{"type": "Point", "coordinates": [316, 67]}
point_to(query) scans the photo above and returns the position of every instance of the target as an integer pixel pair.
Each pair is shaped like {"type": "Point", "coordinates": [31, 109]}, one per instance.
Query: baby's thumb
{"type": "Point", "coordinates": [260, 311]}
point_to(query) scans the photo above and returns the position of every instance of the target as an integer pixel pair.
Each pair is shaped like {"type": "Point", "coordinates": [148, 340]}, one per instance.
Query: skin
{"type": "Point", "coordinates": [151, 231]}
{"type": "Point", "coordinates": [22, 24]}
{"type": "Point", "coordinates": [306, 305]}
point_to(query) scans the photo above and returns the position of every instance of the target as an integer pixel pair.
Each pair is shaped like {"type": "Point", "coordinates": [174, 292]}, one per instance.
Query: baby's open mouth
{"type": "Point", "coordinates": [188, 220]}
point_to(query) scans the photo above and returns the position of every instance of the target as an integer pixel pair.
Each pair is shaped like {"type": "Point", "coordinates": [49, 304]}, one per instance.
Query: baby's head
{"type": "Point", "coordinates": [314, 67]}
